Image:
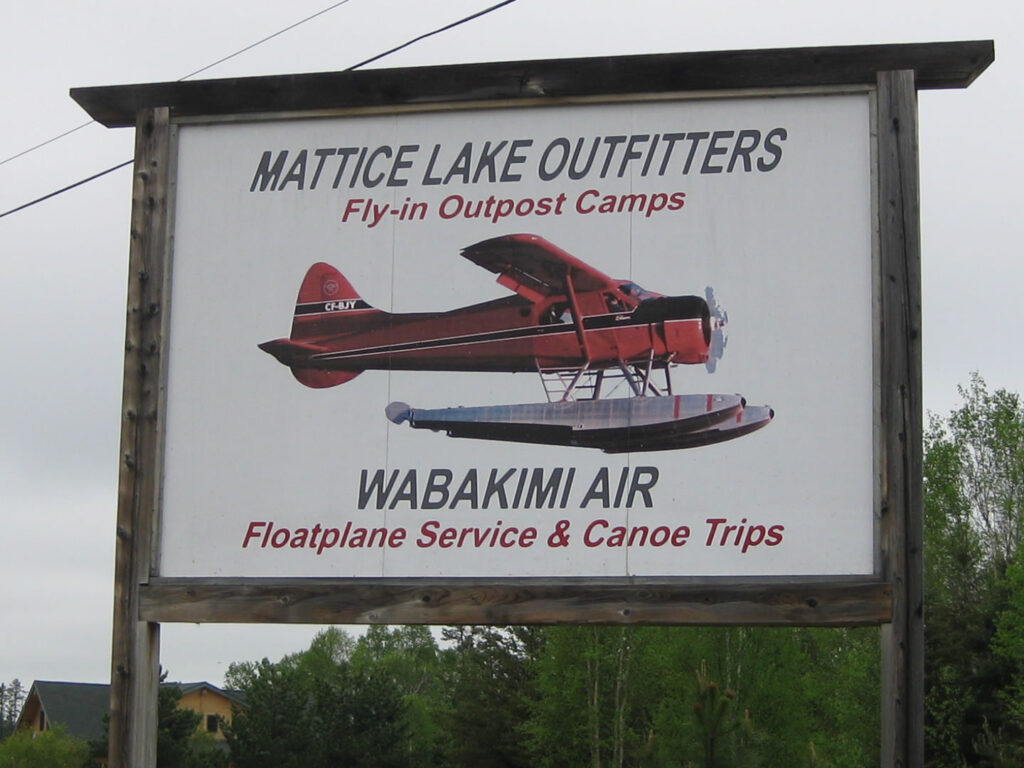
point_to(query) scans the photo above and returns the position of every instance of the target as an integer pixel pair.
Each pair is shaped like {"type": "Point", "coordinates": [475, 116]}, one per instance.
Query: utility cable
{"type": "Point", "coordinates": [95, 176]}
{"type": "Point", "coordinates": [67, 188]}
{"type": "Point", "coordinates": [264, 40]}
{"type": "Point", "coordinates": [230, 56]}
{"type": "Point", "coordinates": [42, 144]}
{"type": "Point", "coordinates": [437, 31]}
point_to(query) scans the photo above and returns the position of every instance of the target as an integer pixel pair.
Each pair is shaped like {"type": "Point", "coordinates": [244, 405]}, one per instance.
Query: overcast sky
{"type": "Point", "coordinates": [63, 262]}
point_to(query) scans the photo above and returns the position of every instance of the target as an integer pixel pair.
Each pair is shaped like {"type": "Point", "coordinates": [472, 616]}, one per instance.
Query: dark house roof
{"type": "Point", "coordinates": [79, 707]}
{"type": "Point", "coordinates": [186, 688]}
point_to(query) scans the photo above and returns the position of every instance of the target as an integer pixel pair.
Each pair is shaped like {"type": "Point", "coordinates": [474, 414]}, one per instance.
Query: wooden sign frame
{"type": "Point", "coordinates": [891, 598]}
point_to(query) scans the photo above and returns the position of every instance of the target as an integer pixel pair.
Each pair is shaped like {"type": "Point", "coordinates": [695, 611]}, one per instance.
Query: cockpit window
{"type": "Point", "coordinates": [635, 291]}
{"type": "Point", "coordinates": [614, 303]}
{"type": "Point", "coordinates": [556, 313]}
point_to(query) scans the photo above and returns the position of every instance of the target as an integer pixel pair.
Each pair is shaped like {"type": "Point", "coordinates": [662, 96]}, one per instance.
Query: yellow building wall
{"type": "Point", "coordinates": [207, 702]}
{"type": "Point", "coordinates": [30, 714]}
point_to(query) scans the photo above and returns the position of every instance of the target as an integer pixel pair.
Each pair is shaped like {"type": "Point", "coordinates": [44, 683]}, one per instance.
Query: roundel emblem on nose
{"type": "Point", "coordinates": [330, 287]}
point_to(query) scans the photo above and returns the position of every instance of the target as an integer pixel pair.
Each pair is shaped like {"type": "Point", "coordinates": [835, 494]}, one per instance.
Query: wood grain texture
{"type": "Point", "coordinates": [938, 65]}
{"type": "Point", "coordinates": [468, 601]}
{"type": "Point", "coordinates": [901, 521]}
{"type": "Point", "coordinates": [135, 646]}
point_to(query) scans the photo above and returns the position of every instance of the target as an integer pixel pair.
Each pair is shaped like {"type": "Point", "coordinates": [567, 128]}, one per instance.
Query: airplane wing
{"type": "Point", "coordinates": [535, 268]}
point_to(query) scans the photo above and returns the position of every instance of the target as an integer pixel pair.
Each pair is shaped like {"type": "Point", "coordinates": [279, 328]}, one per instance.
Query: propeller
{"type": "Point", "coordinates": [719, 334]}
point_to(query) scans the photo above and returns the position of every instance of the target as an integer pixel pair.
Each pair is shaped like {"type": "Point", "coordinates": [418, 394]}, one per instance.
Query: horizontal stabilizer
{"type": "Point", "coordinates": [297, 354]}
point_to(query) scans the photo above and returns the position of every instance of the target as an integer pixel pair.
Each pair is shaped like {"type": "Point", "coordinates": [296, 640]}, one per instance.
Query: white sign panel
{"type": "Point", "coordinates": [346, 292]}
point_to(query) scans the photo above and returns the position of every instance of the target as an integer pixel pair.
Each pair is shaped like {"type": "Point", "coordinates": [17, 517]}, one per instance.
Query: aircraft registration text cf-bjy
{"type": "Point", "coordinates": [581, 330]}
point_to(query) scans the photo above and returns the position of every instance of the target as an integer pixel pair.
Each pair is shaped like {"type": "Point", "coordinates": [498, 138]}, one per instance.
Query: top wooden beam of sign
{"type": "Point", "coordinates": [936, 65]}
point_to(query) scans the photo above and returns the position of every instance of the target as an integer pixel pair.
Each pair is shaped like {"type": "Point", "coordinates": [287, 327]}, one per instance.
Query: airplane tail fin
{"type": "Point", "coordinates": [327, 305]}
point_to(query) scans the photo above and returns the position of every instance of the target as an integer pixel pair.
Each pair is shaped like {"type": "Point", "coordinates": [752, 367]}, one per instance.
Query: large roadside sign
{"type": "Point", "coordinates": [616, 340]}
{"type": "Point", "coordinates": [394, 225]}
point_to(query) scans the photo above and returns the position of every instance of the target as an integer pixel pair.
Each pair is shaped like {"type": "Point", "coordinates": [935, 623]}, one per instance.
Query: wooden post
{"type": "Point", "coordinates": [135, 663]}
{"type": "Point", "coordinates": [901, 512]}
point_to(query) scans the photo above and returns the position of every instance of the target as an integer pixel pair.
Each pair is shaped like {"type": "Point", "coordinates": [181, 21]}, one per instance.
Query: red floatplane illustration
{"type": "Point", "coordinates": [587, 335]}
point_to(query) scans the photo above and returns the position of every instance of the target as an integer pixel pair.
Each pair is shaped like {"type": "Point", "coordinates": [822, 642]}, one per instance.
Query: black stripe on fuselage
{"type": "Point", "coordinates": [592, 323]}
{"type": "Point", "coordinates": [330, 307]}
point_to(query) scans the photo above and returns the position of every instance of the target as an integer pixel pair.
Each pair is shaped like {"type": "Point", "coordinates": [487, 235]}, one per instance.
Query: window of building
{"type": "Point", "coordinates": [212, 723]}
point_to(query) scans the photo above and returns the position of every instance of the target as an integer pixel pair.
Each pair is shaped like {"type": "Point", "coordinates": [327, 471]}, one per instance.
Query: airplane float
{"type": "Point", "coordinates": [579, 329]}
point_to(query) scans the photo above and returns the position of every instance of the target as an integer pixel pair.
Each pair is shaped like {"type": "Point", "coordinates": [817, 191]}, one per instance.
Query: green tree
{"type": "Point", "coordinates": [49, 749]}
{"type": "Point", "coordinates": [12, 696]}
{"type": "Point", "coordinates": [409, 658]}
{"type": "Point", "coordinates": [610, 697]}
{"type": "Point", "coordinates": [672, 659]}
{"type": "Point", "coordinates": [1009, 638]}
{"type": "Point", "coordinates": [569, 722]}
{"type": "Point", "coordinates": [175, 728]}
{"type": "Point", "coordinates": [316, 709]}
{"type": "Point", "coordinates": [276, 725]}
{"type": "Point", "coordinates": [839, 679]}
{"type": "Point", "coordinates": [715, 716]}
{"type": "Point", "coordinates": [488, 677]}
{"type": "Point", "coordinates": [974, 499]}
{"type": "Point", "coordinates": [205, 751]}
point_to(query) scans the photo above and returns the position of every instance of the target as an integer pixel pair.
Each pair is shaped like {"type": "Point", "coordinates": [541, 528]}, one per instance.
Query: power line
{"type": "Point", "coordinates": [230, 56]}
{"type": "Point", "coordinates": [48, 141]}
{"type": "Point", "coordinates": [265, 39]}
{"type": "Point", "coordinates": [67, 188]}
{"type": "Point", "coordinates": [437, 31]}
{"type": "Point", "coordinates": [95, 176]}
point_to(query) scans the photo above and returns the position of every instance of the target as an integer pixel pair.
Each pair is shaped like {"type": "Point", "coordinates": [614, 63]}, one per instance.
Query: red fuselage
{"type": "Point", "coordinates": [510, 334]}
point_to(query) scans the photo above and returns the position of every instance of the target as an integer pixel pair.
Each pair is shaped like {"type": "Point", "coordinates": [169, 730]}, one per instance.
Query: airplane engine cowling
{"type": "Point", "coordinates": [685, 322]}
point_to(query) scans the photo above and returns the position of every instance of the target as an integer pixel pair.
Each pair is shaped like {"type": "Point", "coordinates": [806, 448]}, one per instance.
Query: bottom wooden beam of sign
{"type": "Point", "coordinates": [516, 601]}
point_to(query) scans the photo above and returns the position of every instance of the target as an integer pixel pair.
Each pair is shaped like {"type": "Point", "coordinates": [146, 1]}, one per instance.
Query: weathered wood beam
{"type": "Point", "coordinates": [135, 647]}
{"type": "Point", "coordinates": [937, 65]}
{"type": "Point", "coordinates": [509, 601]}
{"type": "Point", "coordinates": [901, 402]}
